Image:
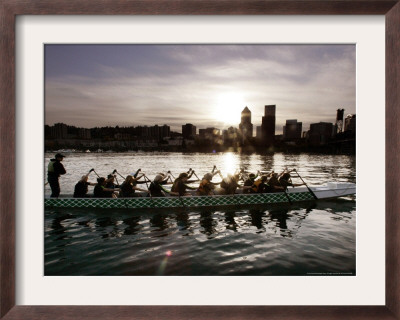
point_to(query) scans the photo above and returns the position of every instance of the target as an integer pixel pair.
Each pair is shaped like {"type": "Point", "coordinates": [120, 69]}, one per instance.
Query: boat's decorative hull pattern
{"type": "Point", "coordinates": [176, 202]}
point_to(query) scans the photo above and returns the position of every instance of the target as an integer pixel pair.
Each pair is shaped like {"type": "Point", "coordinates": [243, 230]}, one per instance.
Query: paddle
{"type": "Point", "coordinates": [196, 175]}
{"type": "Point", "coordinates": [115, 171]}
{"type": "Point", "coordinates": [312, 193]}
{"type": "Point", "coordinates": [219, 172]}
{"type": "Point", "coordinates": [137, 172]}
{"type": "Point", "coordinates": [171, 174]}
{"type": "Point", "coordinates": [95, 173]}
{"type": "Point", "coordinates": [287, 196]}
{"type": "Point", "coordinates": [148, 180]}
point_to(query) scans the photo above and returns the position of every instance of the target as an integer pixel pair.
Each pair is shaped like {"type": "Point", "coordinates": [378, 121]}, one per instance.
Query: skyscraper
{"type": "Point", "coordinates": [320, 133]}
{"type": "Point", "coordinates": [350, 123]}
{"type": "Point", "coordinates": [245, 126]}
{"type": "Point", "coordinates": [258, 133]}
{"type": "Point", "coordinates": [188, 131]}
{"type": "Point", "coordinates": [292, 130]}
{"type": "Point", "coordinates": [268, 125]}
{"type": "Point", "coordinates": [339, 121]}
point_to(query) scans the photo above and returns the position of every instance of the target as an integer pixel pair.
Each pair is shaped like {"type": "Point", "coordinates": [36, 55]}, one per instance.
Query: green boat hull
{"type": "Point", "coordinates": [179, 202]}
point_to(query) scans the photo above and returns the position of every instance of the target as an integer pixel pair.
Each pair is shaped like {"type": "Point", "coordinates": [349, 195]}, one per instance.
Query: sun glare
{"type": "Point", "coordinates": [228, 108]}
{"type": "Point", "coordinates": [230, 163]}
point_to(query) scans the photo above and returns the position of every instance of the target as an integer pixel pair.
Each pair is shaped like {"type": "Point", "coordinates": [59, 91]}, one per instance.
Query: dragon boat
{"type": "Point", "coordinates": [295, 194]}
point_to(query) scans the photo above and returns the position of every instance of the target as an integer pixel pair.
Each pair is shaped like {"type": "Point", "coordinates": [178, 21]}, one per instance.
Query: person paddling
{"type": "Point", "coordinates": [206, 187]}
{"type": "Point", "coordinates": [54, 170]}
{"type": "Point", "coordinates": [248, 183]}
{"type": "Point", "coordinates": [285, 179]}
{"type": "Point", "coordinates": [81, 188]}
{"type": "Point", "coordinates": [229, 184]}
{"type": "Point", "coordinates": [180, 185]}
{"type": "Point", "coordinates": [274, 183]}
{"type": "Point", "coordinates": [100, 190]}
{"type": "Point", "coordinates": [110, 182]}
{"type": "Point", "coordinates": [128, 188]}
{"type": "Point", "coordinates": [156, 186]}
{"type": "Point", "coordinates": [261, 185]}
{"type": "Point", "coordinates": [136, 179]}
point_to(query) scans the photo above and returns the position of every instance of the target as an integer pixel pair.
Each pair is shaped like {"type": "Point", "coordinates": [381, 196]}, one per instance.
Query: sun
{"type": "Point", "coordinates": [228, 107]}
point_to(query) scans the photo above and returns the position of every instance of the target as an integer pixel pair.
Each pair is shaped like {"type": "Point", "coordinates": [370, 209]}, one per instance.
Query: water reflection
{"type": "Point", "coordinates": [68, 234]}
{"type": "Point", "coordinates": [207, 223]}
{"type": "Point", "coordinates": [57, 226]}
{"type": "Point", "coordinates": [280, 220]}
{"type": "Point", "coordinates": [256, 219]}
{"type": "Point", "coordinates": [282, 239]}
{"type": "Point", "coordinates": [279, 217]}
{"type": "Point", "coordinates": [132, 225]}
{"type": "Point", "coordinates": [159, 222]}
{"type": "Point", "coordinates": [183, 223]}
{"type": "Point", "coordinates": [231, 223]}
{"type": "Point", "coordinates": [230, 163]}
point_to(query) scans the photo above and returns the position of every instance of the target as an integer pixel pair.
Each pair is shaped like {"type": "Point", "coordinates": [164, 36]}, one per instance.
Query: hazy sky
{"type": "Point", "coordinates": [206, 85]}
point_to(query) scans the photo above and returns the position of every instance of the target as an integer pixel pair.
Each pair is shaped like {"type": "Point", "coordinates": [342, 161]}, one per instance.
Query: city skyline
{"type": "Point", "coordinates": [207, 85]}
{"type": "Point", "coordinates": [189, 131]}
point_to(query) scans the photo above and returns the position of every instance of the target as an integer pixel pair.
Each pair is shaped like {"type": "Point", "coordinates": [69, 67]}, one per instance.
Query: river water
{"type": "Point", "coordinates": [314, 238]}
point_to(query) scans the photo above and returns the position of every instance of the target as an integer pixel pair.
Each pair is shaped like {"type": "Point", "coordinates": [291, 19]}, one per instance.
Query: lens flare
{"type": "Point", "coordinates": [164, 262]}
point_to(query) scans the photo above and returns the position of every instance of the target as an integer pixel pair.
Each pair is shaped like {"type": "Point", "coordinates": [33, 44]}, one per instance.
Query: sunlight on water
{"type": "Point", "coordinates": [275, 240]}
{"type": "Point", "coordinates": [230, 163]}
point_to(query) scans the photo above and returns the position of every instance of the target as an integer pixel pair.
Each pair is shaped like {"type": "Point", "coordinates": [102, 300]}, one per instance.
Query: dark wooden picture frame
{"type": "Point", "coordinates": [9, 9]}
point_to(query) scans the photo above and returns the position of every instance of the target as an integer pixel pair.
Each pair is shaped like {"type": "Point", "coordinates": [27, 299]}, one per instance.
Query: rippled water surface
{"type": "Point", "coordinates": [301, 239]}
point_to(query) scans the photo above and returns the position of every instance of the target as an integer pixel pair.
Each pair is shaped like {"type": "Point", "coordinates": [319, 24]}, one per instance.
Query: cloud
{"type": "Point", "coordinates": [149, 85]}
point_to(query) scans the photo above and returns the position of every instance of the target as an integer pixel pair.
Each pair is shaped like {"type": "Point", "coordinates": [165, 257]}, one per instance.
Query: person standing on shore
{"type": "Point", "coordinates": [54, 170]}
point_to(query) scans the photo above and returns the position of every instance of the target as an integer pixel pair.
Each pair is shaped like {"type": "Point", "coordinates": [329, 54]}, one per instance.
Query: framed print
{"type": "Point", "coordinates": [167, 302]}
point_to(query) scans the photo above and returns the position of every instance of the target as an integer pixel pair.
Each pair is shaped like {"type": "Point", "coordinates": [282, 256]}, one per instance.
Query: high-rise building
{"type": "Point", "coordinates": [258, 132]}
{"type": "Point", "coordinates": [165, 131]}
{"type": "Point", "coordinates": [292, 130]}
{"type": "Point", "coordinates": [268, 125]}
{"type": "Point", "coordinates": [231, 136]}
{"type": "Point", "coordinates": [209, 133]}
{"type": "Point", "coordinates": [339, 121]}
{"type": "Point", "coordinates": [143, 131]}
{"type": "Point", "coordinates": [245, 126]}
{"type": "Point", "coordinates": [155, 132]}
{"type": "Point", "coordinates": [188, 131]}
{"type": "Point", "coordinates": [350, 123]}
{"type": "Point", "coordinates": [320, 133]}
